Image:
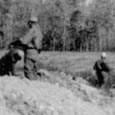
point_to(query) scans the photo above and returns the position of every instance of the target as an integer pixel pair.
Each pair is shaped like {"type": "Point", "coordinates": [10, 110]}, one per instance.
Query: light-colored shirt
{"type": "Point", "coordinates": [34, 41]}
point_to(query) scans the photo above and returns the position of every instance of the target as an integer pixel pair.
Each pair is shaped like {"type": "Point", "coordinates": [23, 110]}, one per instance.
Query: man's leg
{"type": "Point", "coordinates": [107, 81]}
{"type": "Point", "coordinates": [12, 69]}
{"type": "Point", "coordinates": [100, 79]}
{"type": "Point", "coordinates": [29, 69]}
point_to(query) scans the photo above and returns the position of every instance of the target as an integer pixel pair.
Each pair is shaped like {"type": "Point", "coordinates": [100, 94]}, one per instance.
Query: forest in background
{"type": "Point", "coordinates": [67, 25]}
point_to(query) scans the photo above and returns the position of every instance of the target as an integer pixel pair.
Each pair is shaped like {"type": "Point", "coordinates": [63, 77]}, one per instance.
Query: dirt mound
{"type": "Point", "coordinates": [24, 97]}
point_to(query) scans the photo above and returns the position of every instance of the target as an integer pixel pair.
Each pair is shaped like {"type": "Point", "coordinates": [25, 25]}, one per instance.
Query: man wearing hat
{"type": "Point", "coordinates": [101, 66]}
{"type": "Point", "coordinates": [33, 41]}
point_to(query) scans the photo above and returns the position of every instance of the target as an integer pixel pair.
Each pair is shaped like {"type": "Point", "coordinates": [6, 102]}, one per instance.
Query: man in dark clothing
{"type": "Point", "coordinates": [8, 61]}
{"type": "Point", "coordinates": [100, 67]}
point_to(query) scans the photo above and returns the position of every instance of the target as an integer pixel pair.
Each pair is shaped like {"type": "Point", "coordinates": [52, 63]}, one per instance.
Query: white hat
{"type": "Point", "coordinates": [103, 55]}
{"type": "Point", "coordinates": [20, 52]}
{"type": "Point", "coordinates": [34, 19]}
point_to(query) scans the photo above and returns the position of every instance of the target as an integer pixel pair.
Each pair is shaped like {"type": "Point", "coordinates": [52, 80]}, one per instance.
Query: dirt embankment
{"type": "Point", "coordinates": [24, 97]}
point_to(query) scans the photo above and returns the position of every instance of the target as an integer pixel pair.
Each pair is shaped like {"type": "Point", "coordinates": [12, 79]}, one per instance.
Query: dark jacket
{"type": "Point", "coordinates": [101, 65]}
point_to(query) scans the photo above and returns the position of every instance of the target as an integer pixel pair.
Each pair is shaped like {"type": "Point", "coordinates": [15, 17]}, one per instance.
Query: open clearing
{"type": "Point", "coordinates": [72, 62]}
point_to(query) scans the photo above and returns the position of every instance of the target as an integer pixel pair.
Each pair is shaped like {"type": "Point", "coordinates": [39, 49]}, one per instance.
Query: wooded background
{"type": "Point", "coordinates": [67, 25]}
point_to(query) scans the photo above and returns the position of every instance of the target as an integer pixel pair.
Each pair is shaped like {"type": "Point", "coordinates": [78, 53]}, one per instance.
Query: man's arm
{"type": "Point", "coordinates": [38, 41]}
{"type": "Point", "coordinates": [94, 67]}
{"type": "Point", "coordinates": [107, 67]}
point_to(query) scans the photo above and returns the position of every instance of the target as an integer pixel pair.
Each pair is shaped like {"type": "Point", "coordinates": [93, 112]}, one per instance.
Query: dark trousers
{"type": "Point", "coordinates": [100, 78]}
{"type": "Point", "coordinates": [30, 69]}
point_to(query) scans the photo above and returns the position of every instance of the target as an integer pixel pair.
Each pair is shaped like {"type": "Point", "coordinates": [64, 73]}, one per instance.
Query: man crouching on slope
{"type": "Point", "coordinates": [102, 69]}
{"type": "Point", "coordinates": [33, 42]}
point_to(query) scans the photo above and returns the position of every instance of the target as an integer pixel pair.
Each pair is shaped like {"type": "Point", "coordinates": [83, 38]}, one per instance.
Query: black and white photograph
{"type": "Point", "coordinates": [57, 57]}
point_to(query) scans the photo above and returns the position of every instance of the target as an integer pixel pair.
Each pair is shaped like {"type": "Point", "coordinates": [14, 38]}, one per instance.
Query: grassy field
{"type": "Point", "coordinates": [69, 61]}
{"type": "Point", "coordinates": [72, 61]}
{"type": "Point", "coordinates": [75, 64]}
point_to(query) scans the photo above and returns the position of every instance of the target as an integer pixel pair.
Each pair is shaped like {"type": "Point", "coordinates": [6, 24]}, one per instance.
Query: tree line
{"type": "Point", "coordinates": [67, 25]}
